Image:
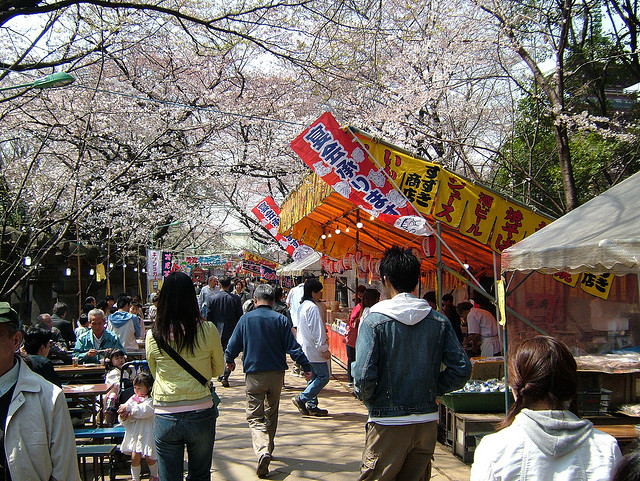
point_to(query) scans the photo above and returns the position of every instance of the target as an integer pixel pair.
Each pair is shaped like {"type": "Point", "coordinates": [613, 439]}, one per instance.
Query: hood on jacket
{"type": "Point", "coordinates": [555, 433]}
{"type": "Point", "coordinates": [120, 318]}
{"type": "Point", "coordinates": [404, 307]}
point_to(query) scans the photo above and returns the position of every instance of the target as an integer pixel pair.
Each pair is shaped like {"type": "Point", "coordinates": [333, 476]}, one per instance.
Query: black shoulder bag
{"type": "Point", "coordinates": [190, 369]}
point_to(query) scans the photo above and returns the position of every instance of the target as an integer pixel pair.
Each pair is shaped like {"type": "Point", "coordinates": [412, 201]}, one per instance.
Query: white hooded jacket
{"type": "Point", "coordinates": [546, 445]}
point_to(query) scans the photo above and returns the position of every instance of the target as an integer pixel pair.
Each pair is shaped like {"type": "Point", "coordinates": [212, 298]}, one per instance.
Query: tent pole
{"type": "Point", "coordinates": [355, 255]}
{"type": "Point", "coordinates": [504, 336]}
{"type": "Point", "coordinates": [438, 268]}
{"type": "Point", "coordinates": [493, 300]}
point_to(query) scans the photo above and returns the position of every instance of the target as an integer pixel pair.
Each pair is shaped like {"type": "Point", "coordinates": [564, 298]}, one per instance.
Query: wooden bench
{"type": "Point", "coordinates": [98, 452]}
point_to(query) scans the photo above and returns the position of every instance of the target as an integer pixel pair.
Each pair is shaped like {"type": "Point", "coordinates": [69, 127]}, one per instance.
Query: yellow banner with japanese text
{"type": "Point", "coordinates": [475, 211]}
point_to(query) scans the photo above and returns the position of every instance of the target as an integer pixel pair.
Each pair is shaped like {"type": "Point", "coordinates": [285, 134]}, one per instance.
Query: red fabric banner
{"type": "Point", "coordinates": [337, 157]}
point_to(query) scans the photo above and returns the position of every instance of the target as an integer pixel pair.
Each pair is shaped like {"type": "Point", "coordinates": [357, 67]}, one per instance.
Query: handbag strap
{"type": "Point", "coordinates": [180, 360]}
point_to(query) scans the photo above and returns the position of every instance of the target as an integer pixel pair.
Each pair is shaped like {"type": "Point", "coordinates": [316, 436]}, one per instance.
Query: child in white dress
{"type": "Point", "coordinates": [137, 417]}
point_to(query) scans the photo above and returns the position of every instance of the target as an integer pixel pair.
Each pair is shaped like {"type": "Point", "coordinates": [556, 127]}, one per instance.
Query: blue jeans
{"type": "Point", "coordinates": [172, 432]}
{"type": "Point", "coordinates": [319, 380]}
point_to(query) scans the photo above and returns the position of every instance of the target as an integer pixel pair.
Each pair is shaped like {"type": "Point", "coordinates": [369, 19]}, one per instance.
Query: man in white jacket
{"type": "Point", "coordinates": [312, 336]}
{"type": "Point", "coordinates": [38, 442]}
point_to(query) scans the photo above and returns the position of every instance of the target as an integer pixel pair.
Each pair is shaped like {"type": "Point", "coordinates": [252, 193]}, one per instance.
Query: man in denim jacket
{"type": "Point", "coordinates": [401, 347]}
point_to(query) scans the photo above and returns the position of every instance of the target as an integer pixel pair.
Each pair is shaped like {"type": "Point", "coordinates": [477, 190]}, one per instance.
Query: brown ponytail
{"type": "Point", "coordinates": [541, 370]}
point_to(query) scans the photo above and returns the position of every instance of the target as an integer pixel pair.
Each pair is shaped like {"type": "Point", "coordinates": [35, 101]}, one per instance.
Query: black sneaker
{"type": "Point", "coordinates": [224, 382]}
{"type": "Point", "coordinates": [316, 411]}
{"type": "Point", "coordinates": [263, 465]}
{"type": "Point", "coordinates": [297, 402]}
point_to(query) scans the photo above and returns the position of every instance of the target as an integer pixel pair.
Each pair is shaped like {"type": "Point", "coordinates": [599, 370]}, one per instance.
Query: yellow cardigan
{"type": "Point", "coordinates": [174, 384]}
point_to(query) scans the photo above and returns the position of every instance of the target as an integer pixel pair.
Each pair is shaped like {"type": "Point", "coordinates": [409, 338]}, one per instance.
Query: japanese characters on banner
{"type": "Point", "coordinates": [206, 260]}
{"type": "Point", "coordinates": [336, 157]}
{"type": "Point", "coordinates": [598, 285]}
{"type": "Point", "coordinates": [256, 264]}
{"type": "Point", "coordinates": [267, 274]}
{"type": "Point", "coordinates": [474, 211]}
{"type": "Point", "coordinates": [161, 264]}
{"type": "Point", "coordinates": [167, 263]}
{"type": "Point", "coordinates": [154, 264]}
{"type": "Point", "coordinates": [268, 214]}
{"type": "Point", "coordinates": [566, 278]}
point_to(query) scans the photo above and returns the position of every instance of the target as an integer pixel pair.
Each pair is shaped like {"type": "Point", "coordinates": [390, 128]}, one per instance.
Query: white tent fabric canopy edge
{"type": "Point", "coordinates": [602, 235]}
{"type": "Point", "coordinates": [309, 263]}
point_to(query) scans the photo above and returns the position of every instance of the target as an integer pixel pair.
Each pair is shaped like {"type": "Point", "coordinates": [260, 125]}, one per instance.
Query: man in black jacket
{"type": "Point", "coordinates": [224, 310]}
{"type": "Point", "coordinates": [65, 327]}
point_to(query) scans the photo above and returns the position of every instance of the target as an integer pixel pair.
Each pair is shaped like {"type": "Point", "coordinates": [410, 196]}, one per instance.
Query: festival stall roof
{"type": "Point", "coordinates": [315, 208]}
{"type": "Point", "coordinates": [310, 263]}
{"type": "Point", "coordinates": [603, 235]}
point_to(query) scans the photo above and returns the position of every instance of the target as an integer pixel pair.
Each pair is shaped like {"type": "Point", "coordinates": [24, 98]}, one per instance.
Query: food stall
{"type": "Point", "coordinates": [466, 225]}
{"type": "Point", "coordinates": [577, 279]}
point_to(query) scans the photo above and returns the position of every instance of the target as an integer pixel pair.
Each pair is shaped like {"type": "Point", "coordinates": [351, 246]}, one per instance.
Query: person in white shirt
{"type": "Point", "coordinates": [294, 298]}
{"type": "Point", "coordinates": [484, 331]}
{"type": "Point", "coordinates": [37, 441]}
{"type": "Point", "coordinates": [207, 293]}
{"type": "Point", "coordinates": [312, 336]}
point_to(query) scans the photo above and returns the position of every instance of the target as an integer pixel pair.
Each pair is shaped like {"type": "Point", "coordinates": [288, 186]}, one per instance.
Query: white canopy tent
{"type": "Point", "coordinates": [603, 235]}
{"type": "Point", "coordinates": [310, 263]}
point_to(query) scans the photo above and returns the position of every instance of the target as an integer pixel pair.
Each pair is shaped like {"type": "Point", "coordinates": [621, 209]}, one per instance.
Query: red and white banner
{"type": "Point", "coordinates": [268, 214]}
{"type": "Point", "coordinates": [337, 157]}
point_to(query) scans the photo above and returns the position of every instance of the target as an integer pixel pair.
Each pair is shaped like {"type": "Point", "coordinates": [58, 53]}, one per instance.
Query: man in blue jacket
{"type": "Point", "coordinates": [401, 347]}
{"type": "Point", "coordinates": [265, 338]}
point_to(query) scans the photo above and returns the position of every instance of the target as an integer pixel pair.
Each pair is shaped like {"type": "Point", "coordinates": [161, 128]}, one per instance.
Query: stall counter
{"type": "Point", "coordinates": [336, 324]}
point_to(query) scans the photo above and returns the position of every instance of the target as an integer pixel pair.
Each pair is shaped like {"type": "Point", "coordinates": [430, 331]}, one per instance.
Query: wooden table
{"type": "Point", "coordinates": [81, 374]}
{"type": "Point", "coordinates": [70, 370]}
{"type": "Point", "coordinates": [89, 396]}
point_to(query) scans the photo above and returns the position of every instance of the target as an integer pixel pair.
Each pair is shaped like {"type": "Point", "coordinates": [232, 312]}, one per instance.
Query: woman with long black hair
{"type": "Point", "coordinates": [185, 414]}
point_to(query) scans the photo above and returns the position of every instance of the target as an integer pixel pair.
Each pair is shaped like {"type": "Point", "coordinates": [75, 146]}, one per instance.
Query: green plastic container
{"type": "Point", "coordinates": [475, 402]}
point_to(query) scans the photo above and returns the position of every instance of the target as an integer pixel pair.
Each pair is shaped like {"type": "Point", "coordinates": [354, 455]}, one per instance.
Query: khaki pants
{"type": "Point", "coordinates": [401, 453]}
{"type": "Point", "coordinates": [263, 399]}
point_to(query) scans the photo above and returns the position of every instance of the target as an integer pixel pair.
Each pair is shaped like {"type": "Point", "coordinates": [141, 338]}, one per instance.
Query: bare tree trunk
{"type": "Point", "coordinates": [566, 169]}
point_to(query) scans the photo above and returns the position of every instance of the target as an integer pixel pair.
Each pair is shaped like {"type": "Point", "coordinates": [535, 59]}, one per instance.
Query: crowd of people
{"type": "Point", "coordinates": [402, 351]}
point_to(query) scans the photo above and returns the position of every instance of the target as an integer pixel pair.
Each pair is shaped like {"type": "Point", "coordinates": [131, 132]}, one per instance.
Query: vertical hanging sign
{"type": "Point", "coordinates": [154, 264]}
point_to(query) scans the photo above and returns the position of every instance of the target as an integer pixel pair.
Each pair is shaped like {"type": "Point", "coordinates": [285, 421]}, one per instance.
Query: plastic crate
{"type": "Point", "coordinates": [475, 402]}
{"type": "Point", "coordinates": [594, 402]}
